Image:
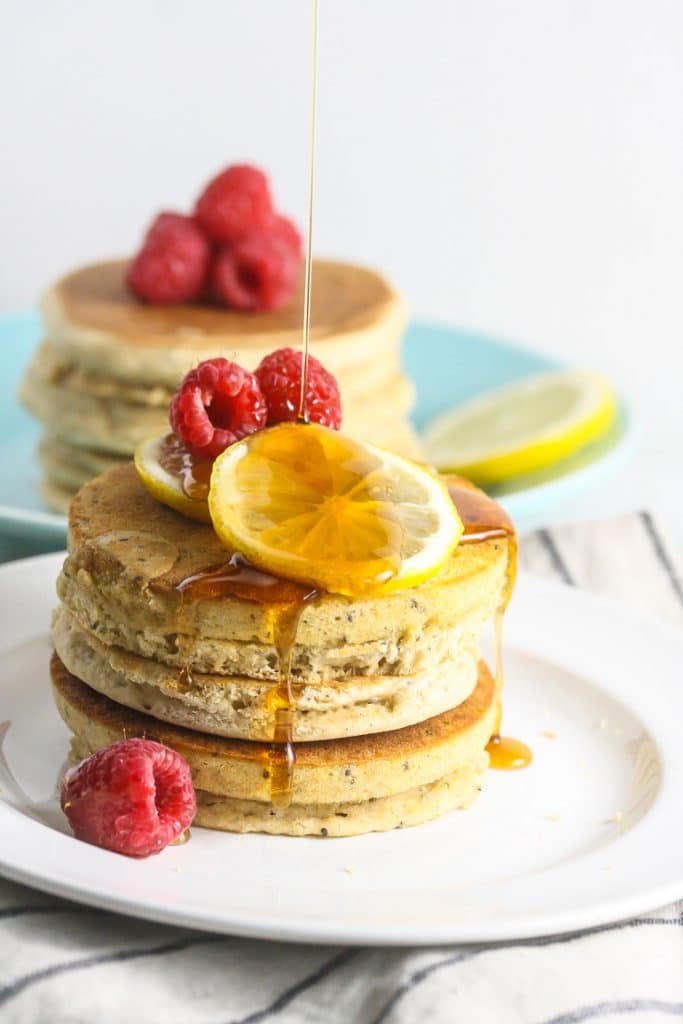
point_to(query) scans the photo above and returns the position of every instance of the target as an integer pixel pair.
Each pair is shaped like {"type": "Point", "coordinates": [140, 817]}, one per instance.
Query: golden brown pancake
{"type": "Point", "coordinates": [103, 377]}
{"type": "Point", "coordinates": [241, 706]}
{"type": "Point", "coordinates": [128, 555]}
{"type": "Point", "coordinates": [365, 783]}
{"type": "Point", "coordinates": [90, 311]}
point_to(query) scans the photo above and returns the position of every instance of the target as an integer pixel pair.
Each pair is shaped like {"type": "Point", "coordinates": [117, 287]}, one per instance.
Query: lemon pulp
{"type": "Point", "coordinates": [304, 502]}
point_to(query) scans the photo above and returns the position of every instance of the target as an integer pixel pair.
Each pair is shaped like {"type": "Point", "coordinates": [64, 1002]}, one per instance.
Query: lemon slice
{"type": "Point", "coordinates": [173, 476]}
{"type": "Point", "coordinates": [305, 502]}
{"type": "Point", "coordinates": [521, 428]}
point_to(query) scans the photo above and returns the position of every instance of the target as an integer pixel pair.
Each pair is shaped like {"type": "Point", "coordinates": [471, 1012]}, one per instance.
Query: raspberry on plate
{"type": "Point", "coordinates": [216, 404]}
{"type": "Point", "coordinates": [259, 273]}
{"type": "Point", "coordinates": [134, 797]}
{"type": "Point", "coordinates": [233, 203]}
{"type": "Point", "coordinates": [279, 375]}
{"type": "Point", "coordinates": [173, 263]}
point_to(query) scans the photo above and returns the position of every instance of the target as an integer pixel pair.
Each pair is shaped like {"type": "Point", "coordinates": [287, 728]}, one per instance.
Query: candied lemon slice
{"type": "Point", "coordinates": [173, 476]}
{"type": "Point", "coordinates": [522, 427]}
{"type": "Point", "coordinates": [309, 504]}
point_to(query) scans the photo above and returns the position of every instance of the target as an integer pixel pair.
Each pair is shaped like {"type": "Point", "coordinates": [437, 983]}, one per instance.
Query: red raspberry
{"type": "Point", "coordinates": [258, 273]}
{"type": "Point", "coordinates": [279, 375]}
{"type": "Point", "coordinates": [234, 203]}
{"type": "Point", "coordinates": [215, 405]}
{"type": "Point", "coordinates": [287, 232]}
{"type": "Point", "coordinates": [134, 797]}
{"type": "Point", "coordinates": [173, 263]}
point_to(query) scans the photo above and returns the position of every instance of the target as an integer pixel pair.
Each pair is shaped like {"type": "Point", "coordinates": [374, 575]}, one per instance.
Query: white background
{"type": "Point", "coordinates": [513, 166]}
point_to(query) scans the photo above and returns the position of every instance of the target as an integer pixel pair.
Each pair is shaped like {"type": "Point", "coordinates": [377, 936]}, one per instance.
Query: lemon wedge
{"type": "Point", "coordinates": [173, 476]}
{"type": "Point", "coordinates": [304, 502]}
{"type": "Point", "coordinates": [522, 427]}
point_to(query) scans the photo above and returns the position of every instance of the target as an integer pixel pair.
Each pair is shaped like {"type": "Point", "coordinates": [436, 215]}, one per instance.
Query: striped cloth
{"type": "Point", "coordinates": [65, 964]}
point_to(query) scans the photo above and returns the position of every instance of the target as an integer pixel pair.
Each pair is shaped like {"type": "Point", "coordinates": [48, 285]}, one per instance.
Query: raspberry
{"type": "Point", "coordinates": [279, 375]}
{"type": "Point", "coordinates": [134, 797]}
{"type": "Point", "coordinates": [287, 232]}
{"type": "Point", "coordinates": [259, 273]}
{"type": "Point", "coordinates": [215, 405]}
{"type": "Point", "coordinates": [234, 203]}
{"type": "Point", "coordinates": [173, 263]}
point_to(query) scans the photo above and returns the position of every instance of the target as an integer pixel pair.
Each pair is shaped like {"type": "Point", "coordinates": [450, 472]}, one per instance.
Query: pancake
{"type": "Point", "coordinates": [70, 466]}
{"type": "Point", "coordinates": [104, 376]}
{"type": "Point", "coordinates": [239, 706]}
{"type": "Point", "coordinates": [128, 554]}
{"type": "Point", "coordinates": [56, 496]}
{"type": "Point", "coordinates": [111, 425]}
{"type": "Point", "coordinates": [371, 377]}
{"type": "Point", "coordinates": [93, 323]}
{"type": "Point", "coordinates": [341, 787]}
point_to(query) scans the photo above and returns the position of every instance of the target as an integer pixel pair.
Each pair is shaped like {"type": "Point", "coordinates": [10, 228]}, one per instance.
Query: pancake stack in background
{"type": "Point", "coordinates": [394, 707]}
{"type": "Point", "coordinates": [102, 379]}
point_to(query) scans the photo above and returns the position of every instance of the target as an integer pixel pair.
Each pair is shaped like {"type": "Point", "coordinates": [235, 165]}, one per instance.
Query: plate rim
{"type": "Point", "coordinates": [20, 828]}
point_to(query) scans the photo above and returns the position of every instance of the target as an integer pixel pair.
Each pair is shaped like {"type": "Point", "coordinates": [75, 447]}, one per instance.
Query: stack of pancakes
{"type": "Point", "coordinates": [103, 378]}
{"type": "Point", "coordinates": [393, 710]}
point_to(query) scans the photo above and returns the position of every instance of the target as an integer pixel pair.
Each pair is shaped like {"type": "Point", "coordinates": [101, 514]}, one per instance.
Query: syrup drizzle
{"type": "Point", "coordinates": [484, 520]}
{"type": "Point", "coordinates": [194, 474]}
{"type": "Point", "coordinates": [309, 220]}
{"type": "Point", "coordinates": [285, 602]}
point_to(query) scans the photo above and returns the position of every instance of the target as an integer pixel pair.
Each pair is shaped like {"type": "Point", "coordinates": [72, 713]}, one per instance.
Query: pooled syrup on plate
{"type": "Point", "coordinates": [483, 520]}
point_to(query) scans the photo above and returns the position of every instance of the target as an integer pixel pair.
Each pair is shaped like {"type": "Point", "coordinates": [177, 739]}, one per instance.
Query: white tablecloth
{"type": "Point", "coordinates": [65, 964]}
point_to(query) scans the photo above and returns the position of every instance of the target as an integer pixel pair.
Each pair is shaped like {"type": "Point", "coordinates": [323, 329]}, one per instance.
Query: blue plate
{"type": "Point", "coordinates": [447, 366]}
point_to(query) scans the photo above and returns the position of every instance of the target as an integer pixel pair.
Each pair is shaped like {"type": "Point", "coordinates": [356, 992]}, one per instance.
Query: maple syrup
{"type": "Point", "coordinates": [482, 520]}
{"type": "Point", "coordinates": [285, 602]}
{"type": "Point", "coordinates": [508, 754]}
{"type": "Point", "coordinates": [194, 474]}
{"type": "Point", "coordinates": [308, 264]}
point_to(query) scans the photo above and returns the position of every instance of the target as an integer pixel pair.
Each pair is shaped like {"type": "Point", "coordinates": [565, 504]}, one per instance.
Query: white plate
{"type": "Point", "coordinates": [592, 832]}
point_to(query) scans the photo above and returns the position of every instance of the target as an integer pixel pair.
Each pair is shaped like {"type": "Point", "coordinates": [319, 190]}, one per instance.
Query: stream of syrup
{"type": "Point", "coordinates": [308, 266]}
{"type": "Point", "coordinates": [285, 600]}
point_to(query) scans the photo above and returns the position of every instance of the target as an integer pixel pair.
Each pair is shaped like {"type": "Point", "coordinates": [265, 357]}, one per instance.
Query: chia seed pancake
{"type": "Point", "coordinates": [128, 555]}
{"type": "Point", "coordinates": [369, 377]}
{"type": "Point", "coordinates": [341, 787]}
{"type": "Point", "coordinates": [110, 424]}
{"type": "Point", "coordinates": [72, 467]}
{"type": "Point", "coordinates": [55, 495]}
{"type": "Point", "coordinates": [94, 324]}
{"type": "Point", "coordinates": [102, 379]}
{"type": "Point", "coordinates": [239, 706]}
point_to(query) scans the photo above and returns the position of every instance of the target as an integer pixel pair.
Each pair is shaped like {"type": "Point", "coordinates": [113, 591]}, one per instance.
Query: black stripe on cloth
{"type": "Point", "coordinates": [662, 554]}
{"type": "Point", "coordinates": [553, 940]}
{"type": "Point", "coordinates": [20, 985]}
{"type": "Point", "coordinates": [618, 1006]}
{"type": "Point", "coordinates": [557, 561]}
{"type": "Point", "coordinates": [286, 997]}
